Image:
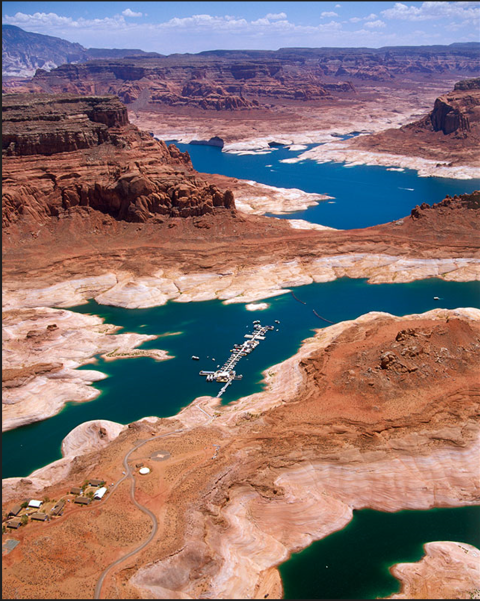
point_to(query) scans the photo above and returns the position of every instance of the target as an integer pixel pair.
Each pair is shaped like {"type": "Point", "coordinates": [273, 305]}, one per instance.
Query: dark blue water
{"type": "Point", "coordinates": [359, 556]}
{"type": "Point", "coordinates": [363, 196]}
{"type": "Point", "coordinates": [140, 387]}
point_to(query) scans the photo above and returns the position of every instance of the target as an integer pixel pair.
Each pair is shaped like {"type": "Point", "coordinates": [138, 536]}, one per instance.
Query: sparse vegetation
{"type": "Point", "coordinates": [24, 520]}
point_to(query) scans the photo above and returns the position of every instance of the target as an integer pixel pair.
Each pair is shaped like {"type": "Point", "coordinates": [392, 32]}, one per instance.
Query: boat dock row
{"type": "Point", "coordinates": [227, 374]}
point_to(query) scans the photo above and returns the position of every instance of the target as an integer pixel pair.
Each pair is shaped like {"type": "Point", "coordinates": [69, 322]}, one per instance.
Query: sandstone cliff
{"type": "Point", "coordinates": [449, 133]}
{"type": "Point", "coordinates": [66, 153]}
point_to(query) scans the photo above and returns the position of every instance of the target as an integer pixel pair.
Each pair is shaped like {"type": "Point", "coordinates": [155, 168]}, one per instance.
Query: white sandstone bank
{"type": "Point", "coordinates": [64, 340]}
{"type": "Point", "coordinates": [341, 152]}
{"type": "Point", "coordinates": [237, 285]}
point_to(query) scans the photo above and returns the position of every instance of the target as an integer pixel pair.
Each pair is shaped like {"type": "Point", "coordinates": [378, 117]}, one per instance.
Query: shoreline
{"type": "Point", "coordinates": [44, 394]}
{"type": "Point", "coordinates": [342, 152]}
{"type": "Point", "coordinates": [338, 480]}
{"type": "Point", "coordinates": [39, 387]}
{"type": "Point", "coordinates": [125, 290]}
{"type": "Point", "coordinates": [454, 564]}
{"type": "Point", "coordinates": [242, 504]}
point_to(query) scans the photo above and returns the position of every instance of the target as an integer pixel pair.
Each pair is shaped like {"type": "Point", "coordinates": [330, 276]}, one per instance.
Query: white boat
{"type": "Point", "coordinates": [195, 358]}
{"type": "Point", "coordinates": [436, 298]}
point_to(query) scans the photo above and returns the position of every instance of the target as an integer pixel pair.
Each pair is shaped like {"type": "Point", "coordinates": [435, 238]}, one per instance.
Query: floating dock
{"type": "Point", "coordinates": [227, 374]}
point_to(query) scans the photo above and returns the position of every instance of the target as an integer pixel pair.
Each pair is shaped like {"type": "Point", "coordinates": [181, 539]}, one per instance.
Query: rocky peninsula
{"type": "Point", "coordinates": [112, 214]}
{"type": "Point", "coordinates": [377, 412]}
{"type": "Point", "coordinates": [443, 143]}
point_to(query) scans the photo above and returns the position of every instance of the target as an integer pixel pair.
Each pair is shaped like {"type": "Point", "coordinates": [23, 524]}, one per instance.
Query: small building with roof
{"type": "Point", "coordinates": [95, 482]}
{"type": "Point", "coordinates": [39, 516]}
{"type": "Point", "coordinates": [35, 504]}
{"type": "Point", "coordinates": [76, 490]}
{"type": "Point", "coordinates": [58, 508]}
{"type": "Point", "coordinates": [15, 523]}
{"type": "Point", "coordinates": [82, 500]}
{"type": "Point", "coordinates": [98, 494]}
{"type": "Point", "coordinates": [15, 510]}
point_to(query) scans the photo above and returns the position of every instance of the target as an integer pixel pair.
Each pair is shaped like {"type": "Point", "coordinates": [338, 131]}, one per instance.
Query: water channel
{"type": "Point", "coordinates": [358, 557]}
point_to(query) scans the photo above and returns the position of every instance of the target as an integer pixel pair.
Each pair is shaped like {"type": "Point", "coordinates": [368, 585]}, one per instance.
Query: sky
{"type": "Point", "coordinates": [169, 27]}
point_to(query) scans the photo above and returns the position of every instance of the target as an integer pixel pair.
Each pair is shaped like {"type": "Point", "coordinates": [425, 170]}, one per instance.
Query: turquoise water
{"type": "Point", "coordinates": [139, 387]}
{"type": "Point", "coordinates": [359, 556]}
{"type": "Point", "coordinates": [363, 196]}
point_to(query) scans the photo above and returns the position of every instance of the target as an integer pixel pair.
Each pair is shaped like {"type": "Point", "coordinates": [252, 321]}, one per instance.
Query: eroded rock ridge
{"type": "Point", "coordinates": [92, 158]}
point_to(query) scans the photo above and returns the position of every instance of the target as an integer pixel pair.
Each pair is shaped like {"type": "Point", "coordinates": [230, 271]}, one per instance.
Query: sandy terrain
{"type": "Point", "coordinates": [375, 107]}
{"type": "Point", "coordinates": [378, 412]}
{"type": "Point", "coordinates": [448, 570]}
{"type": "Point", "coordinates": [42, 347]}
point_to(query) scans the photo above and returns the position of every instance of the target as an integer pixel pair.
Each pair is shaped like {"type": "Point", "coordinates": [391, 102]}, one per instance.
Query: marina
{"type": "Point", "coordinates": [227, 374]}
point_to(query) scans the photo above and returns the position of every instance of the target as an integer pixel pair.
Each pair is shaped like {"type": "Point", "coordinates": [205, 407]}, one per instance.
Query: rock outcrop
{"type": "Point", "coordinates": [66, 153]}
{"type": "Point", "coordinates": [448, 570]}
{"type": "Point", "coordinates": [450, 133]}
{"type": "Point", "coordinates": [42, 349]}
{"type": "Point", "coordinates": [453, 112]}
{"type": "Point", "coordinates": [330, 433]}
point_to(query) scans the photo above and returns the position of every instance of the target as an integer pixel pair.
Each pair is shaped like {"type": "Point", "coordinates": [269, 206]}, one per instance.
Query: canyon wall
{"type": "Point", "coordinates": [64, 153]}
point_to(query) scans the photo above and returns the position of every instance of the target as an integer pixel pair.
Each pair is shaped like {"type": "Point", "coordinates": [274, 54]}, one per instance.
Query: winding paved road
{"type": "Point", "coordinates": [128, 474]}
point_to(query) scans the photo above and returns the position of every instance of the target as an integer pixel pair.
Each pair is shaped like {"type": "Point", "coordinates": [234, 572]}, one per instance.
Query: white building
{"type": "Point", "coordinates": [36, 504]}
{"type": "Point", "coordinates": [100, 492]}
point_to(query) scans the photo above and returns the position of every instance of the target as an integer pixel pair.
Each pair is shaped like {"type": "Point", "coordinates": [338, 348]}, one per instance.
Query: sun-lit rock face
{"type": "Point", "coordinates": [448, 570]}
{"type": "Point", "coordinates": [64, 153]}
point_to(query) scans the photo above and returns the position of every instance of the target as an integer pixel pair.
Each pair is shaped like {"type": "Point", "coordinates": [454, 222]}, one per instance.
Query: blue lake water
{"type": "Point", "coordinates": [363, 196]}
{"type": "Point", "coordinates": [358, 556]}
{"type": "Point", "coordinates": [139, 387]}
{"type": "Point", "coordinates": [354, 562]}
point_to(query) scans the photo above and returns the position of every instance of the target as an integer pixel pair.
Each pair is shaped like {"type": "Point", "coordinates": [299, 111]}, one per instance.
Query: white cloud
{"type": "Point", "coordinates": [454, 26]}
{"type": "Point", "coordinates": [207, 22]}
{"type": "Point", "coordinates": [200, 32]}
{"type": "Point", "coordinates": [129, 13]}
{"type": "Point", "coordinates": [434, 10]}
{"type": "Point", "coordinates": [54, 21]}
{"type": "Point", "coordinates": [375, 24]}
{"type": "Point", "coordinates": [370, 17]}
{"type": "Point", "coordinates": [328, 14]}
{"type": "Point", "coordinates": [276, 16]}
{"type": "Point", "coordinates": [338, 5]}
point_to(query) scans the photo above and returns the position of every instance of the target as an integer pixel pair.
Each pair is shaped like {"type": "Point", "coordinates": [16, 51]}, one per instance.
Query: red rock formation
{"type": "Point", "coordinates": [454, 112]}
{"type": "Point", "coordinates": [64, 153]}
{"type": "Point", "coordinates": [451, 131]}
{"type": "Point", "coordinates": [464, 203]}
